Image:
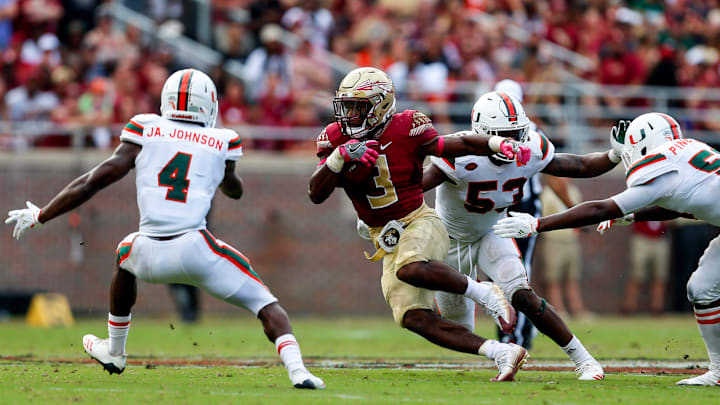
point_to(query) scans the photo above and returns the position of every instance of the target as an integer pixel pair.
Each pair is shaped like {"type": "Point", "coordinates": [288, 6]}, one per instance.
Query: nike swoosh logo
{"type": "Point", "coordinates": [382, 147]}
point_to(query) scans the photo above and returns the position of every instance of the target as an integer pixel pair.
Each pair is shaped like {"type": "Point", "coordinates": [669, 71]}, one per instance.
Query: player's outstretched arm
{"type": "Point", "coordinates": [588, 165]}
{"type": "Point", "coordinates": [231, 184]}
{"type": "Point", "coordinates": [522, 225]}
{"type": "Point", "coordinates": [81, 189]}
{"type": "Point", "coordinates": [77, 192]}
{"type": "Point", "coordinates": [468, 143]}
{"type": "Point", "coordinates": [587, 213]}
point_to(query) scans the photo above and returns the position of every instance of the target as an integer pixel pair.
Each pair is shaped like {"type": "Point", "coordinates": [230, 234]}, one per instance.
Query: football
{"type": "Point", "coordinates": [357, 173]}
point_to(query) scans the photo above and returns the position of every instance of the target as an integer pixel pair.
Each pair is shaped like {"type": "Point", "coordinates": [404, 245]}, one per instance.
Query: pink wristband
{"type": "Point", "coordinates": [441, 145]}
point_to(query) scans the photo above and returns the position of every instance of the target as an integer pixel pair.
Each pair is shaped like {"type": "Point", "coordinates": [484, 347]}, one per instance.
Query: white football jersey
{"type": "Point", "coordinates": [177, 171]}
{"type": "Point", "coordinates": [483, 190]}
{"type": "Point", "coordinates": [694, 188]}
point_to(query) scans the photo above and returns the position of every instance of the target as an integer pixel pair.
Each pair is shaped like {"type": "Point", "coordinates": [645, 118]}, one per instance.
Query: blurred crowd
{"type": "Point", "coordinates": [70, 62]}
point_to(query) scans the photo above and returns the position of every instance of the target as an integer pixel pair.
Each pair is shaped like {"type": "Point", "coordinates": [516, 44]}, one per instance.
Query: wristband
{"type": "Point", "coordinates": [494, 143]}
{"type": "Point", "coordinates": [613, 156]}
{"type": "Point", "coordinates": [335, 161]}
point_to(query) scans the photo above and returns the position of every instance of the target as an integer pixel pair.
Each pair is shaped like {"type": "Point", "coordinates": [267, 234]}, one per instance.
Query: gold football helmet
{"type": "Point", "coordinates": [364, 102]}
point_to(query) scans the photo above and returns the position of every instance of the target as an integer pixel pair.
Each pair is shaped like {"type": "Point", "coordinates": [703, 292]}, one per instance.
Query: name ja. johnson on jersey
{"type": "Point", "coordinates": [191, 136]}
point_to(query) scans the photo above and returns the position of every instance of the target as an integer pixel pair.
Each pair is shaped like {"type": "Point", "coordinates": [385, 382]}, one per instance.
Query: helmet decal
{"type": "Point", "coordinates": [642, 136]}
{"type": "Point", "coordinates": [367, 85]}
{"type": "Point", "coordinates": [183, 89]}
{"type": "Point", "coordinates": [673, 125]}
{"type": "Point", "coordinates": [510, 106]}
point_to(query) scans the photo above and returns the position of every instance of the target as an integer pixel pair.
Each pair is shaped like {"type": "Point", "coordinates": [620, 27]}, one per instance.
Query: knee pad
{"type": "Point", "coordinates": [512, 276]}
{"type": "Point", "coordinates": [701, 289]}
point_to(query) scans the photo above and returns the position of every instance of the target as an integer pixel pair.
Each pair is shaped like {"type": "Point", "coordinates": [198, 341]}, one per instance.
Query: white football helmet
{"type": "Point", "coordinates": [498, 113]}
{"type": "Point", "coordinates": [647, 132]}
{"type": "Point", "coordinates": [189, 95]}
{"type": "Point", "coordinates": [364, 102]}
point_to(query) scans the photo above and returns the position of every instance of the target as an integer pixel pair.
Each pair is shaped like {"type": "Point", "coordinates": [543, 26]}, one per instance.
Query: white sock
{"type": "Point", "coordinates": [289, 351]}
{"type": "Point", "coordinates": [118, 328]}
{"type": "Point", "coordinates": [476, 291]}
{"type": "Point", "coordinates": [489, 348]}
{"type": "Point", "coordinates": [577, 352]}
{"type": "Point", "coordinates": [709, 324]}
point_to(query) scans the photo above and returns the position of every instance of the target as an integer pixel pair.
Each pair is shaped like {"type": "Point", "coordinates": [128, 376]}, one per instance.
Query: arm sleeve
{"type": "Point", "coordinates": [544, 150]}
{"type": "Point", "coordinates": [636, 197]}
{"type": "Point", "coordinates": [235, 149]}
{"type": "Point", "coordinates": [133, 131]}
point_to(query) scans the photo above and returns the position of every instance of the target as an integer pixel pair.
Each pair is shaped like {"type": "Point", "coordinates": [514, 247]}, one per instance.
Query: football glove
{"type": "Point", "coordinates": [617, 140]}
{"type": "Point", "coordinates": [363, 230]}
{"type": "Point", "coordinates": [510, 148]}
{"type": "Point", "coordinates": [353, 151]}
{"type": "Point", "coordinates": [605, 226]}
{"type": "Point", "coordinates": [516, 225]}
{"type": "Point", "coordinates": [24, 219]}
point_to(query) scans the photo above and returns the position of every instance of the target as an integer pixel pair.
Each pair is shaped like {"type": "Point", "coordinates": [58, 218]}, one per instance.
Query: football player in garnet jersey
{"type": "Point", "coordinates": [473, 194]}
{"type": "Point", "coordinates": [409, 235]}
{"type": "Point", "coordinates": [180, 160]}
{"type": "Point", "coordinates": [667, 176]}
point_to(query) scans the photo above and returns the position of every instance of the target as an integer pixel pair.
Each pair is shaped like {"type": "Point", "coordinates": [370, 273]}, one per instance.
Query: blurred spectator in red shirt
{"type": "Point", "coordinates": [233, 107]}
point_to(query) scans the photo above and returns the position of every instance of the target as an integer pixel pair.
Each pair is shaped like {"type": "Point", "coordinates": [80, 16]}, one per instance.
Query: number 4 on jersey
{"type": "Point", "coordinates": [174, 177]}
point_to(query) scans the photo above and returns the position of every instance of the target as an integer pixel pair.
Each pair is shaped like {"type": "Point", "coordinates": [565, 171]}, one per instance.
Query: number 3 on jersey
{"type": "Point", "coordinates": [383, 181]}
{"type": "Point", "coordinates": [174, 177]}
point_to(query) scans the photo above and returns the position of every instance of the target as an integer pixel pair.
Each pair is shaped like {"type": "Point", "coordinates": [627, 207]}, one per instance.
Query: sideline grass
{"type": "Point", "coordinates": [241, 338]}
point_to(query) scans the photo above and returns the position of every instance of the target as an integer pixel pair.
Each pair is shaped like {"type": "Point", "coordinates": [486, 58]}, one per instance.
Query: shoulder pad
{"type": "Point", "coordinates": [144, 119]}
{"type": "Point", "coordinates": [420, 123]}
{"type": "Point", "coordinates": [648, 168]}
{"type": "Point", "coordinates": [540, 145]}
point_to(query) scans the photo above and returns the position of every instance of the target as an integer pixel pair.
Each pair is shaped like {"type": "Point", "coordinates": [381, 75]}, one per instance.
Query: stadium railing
{"type": "Point", "coordinates": [572, 114]}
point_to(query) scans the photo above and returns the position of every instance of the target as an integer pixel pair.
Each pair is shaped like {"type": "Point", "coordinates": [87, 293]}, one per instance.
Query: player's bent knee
{"type": "Point", "coordinates": [527, 302]}
{"type": "Point", "coordinates": [512, 277]}
{"type": "Point", "coordinates": [416, 319]}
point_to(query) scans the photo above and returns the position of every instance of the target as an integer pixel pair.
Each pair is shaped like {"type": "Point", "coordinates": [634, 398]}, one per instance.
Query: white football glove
{"type": "Point", "coordinates": [517, 225]}
{"type": "Point", "coordinates": [24, 219]}
{"type": "Point", "coordinates": [617, 139]}
{"type": "Point", "coordinates": [605, 226]}
{"type": "Point", "coordinates": [363, 230]}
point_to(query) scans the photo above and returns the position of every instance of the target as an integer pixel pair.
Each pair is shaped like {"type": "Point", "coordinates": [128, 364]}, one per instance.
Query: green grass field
{"type": "Point", "coordinates": [363, 360]}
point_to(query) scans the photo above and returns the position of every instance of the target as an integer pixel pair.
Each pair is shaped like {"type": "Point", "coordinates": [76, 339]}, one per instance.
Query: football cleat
{"type": "Point", "coordinates": [590, 371]}
{"type": "Point", "coordinates": [708, 379]}
{"type": "Point", "coordinates": [509, 360]}
{"type": "Point", "coordinates": [99, 350]}
{"type": "Point", "coordinates": [498, 307]}
{"type": "Point", "coordinates": [301, 378]}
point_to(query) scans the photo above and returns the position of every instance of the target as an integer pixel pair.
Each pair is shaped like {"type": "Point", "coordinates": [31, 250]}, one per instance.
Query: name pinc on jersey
{"type": "Point", "coordinates": [179, 134]}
